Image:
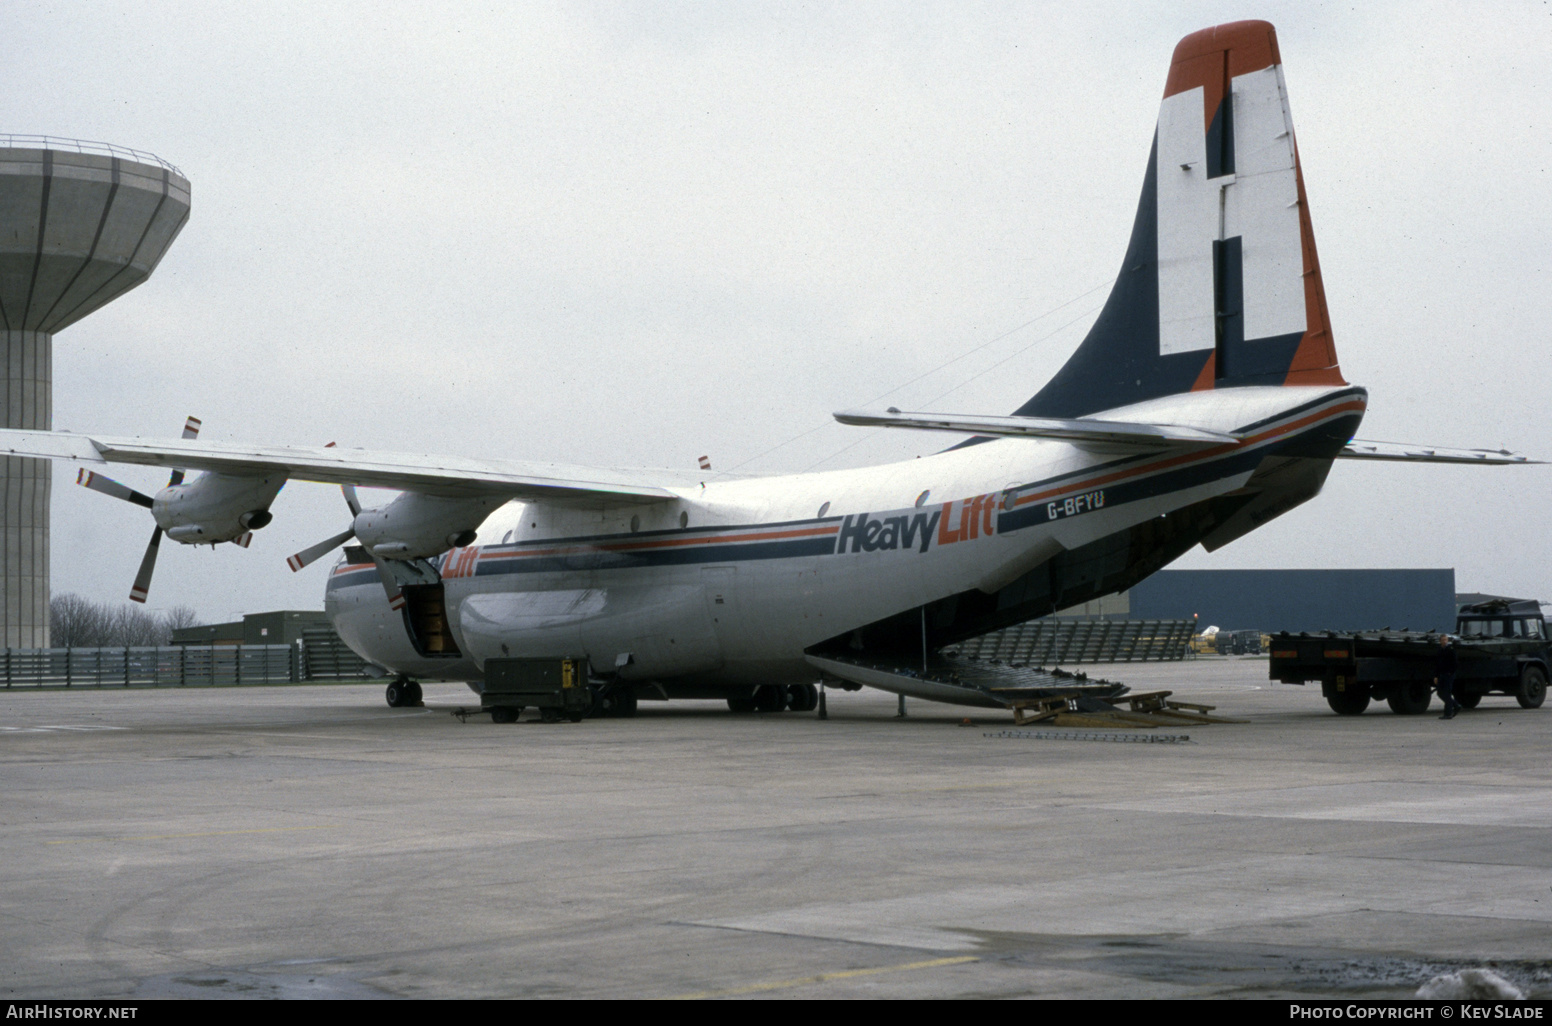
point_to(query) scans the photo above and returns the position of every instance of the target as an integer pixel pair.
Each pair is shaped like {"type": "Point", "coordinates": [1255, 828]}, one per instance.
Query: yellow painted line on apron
{"type": "Point", "coordinates": [846, 974]}
{"type": "Point", "coordinates": [210, 833]}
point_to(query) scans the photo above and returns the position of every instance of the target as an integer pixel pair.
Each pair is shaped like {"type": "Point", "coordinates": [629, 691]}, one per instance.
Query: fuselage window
{"type": "Point", "coordinates": [921, 500]}
{"type": "Point", "coordinates": [506, 539]}
{"type": "Point", "coordinates": [635, 523]}
{"type": "Point", "coordinates": [684, 519]}
{"type": "Point", "coordinates": [824, 509]}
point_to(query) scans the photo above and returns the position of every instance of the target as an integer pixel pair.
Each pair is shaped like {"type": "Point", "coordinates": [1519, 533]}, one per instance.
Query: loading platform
{"type": "Point", "coordinates": [961, 681]}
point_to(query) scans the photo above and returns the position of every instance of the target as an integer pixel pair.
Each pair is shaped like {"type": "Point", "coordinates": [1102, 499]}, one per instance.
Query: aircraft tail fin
{"type": "Point", "coordinates": [1221, 285]}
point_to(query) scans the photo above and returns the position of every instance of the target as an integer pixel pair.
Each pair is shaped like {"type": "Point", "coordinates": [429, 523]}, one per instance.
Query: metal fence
{"type": "Point", "coordinates": [171, 666]}
{"type": "Point", "coordinates": [1057, 642]}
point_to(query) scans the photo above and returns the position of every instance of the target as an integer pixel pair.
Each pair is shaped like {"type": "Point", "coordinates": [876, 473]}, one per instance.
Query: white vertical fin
{"type": "Point", "coordinates": [1187, 226]}
{"type": "Point", "coordinates": [1262, 206]}
{"type": "Point", "coordinates": [1256, 203]}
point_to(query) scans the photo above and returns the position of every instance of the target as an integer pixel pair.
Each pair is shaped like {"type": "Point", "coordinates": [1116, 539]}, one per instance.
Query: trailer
{"type": "Point", "coordinates": [1502, 647]}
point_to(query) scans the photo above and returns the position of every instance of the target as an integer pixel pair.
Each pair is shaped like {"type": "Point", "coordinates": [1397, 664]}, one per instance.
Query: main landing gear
{"type": "Point", "coordinates": [774, 698]}
{"type": "Point", "coordinates": [619, 701]}
{"type": "Point", "coordinates": [403, 693]}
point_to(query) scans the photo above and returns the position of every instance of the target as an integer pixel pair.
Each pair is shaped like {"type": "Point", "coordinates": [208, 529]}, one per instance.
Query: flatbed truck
{"type": "Point", "coordinates": [1502, 647]}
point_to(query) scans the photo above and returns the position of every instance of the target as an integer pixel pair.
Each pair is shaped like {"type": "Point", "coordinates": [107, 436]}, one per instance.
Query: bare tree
{"type": "Point", "coordinates": [130, 625]}
{"type": "Point", "coordinates": [76, 622]}
{"type": "Point", "coordinates": [179, 617]}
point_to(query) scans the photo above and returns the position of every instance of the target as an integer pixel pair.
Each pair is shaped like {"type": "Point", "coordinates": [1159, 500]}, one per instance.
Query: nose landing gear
{"type": "Point", "coordinates": [403, 693]}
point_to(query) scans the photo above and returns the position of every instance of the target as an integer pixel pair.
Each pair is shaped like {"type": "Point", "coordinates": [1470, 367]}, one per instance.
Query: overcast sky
{"type": "Point", "coordinates": [629, 234]}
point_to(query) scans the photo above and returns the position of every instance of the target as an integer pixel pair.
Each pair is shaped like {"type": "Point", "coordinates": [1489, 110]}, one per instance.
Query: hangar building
{"type": "Point", "coordinates": [1291, 600]}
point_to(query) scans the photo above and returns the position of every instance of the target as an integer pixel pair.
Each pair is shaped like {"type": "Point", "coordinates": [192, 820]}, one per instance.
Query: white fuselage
{"type": "Point", "coordinates": [732, 581]}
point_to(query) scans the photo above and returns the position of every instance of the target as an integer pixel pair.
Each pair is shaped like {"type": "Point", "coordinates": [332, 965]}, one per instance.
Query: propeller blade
{"type": "Point", "coordinates": [107, 486]}
{"type": "Point", "coordinates": [351, 500]}
{"type": "Point", "coordinates": [243, 540]}
{"type": "Point", "coordinates": [143, 578]}
{"type": "Point", "coordinates": [390, 584]}
{"type": "Point", "coordinates": [323, 548]}
{"type": "Point", "coordinates": [190, 431]}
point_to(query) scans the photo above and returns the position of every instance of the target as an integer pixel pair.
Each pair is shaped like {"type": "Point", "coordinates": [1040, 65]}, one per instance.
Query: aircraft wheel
{"type": "Point", "coordinates": [1469, 700]}
{"type": "Point", "coordinates": [802, 697]}
{"type": "Point", "coordinates": [741, 705]}
{"type": "Point", "coordinates": [397, 694]}
{"type": "Point", "coordinates": [504, 714]}
{"type": "Point", "coordinates": [1351, 702]}
{"type": "Point", "coordinates": [602, 705]}
{"type": "Point", "coordinates": [1533, 688]}
{"type": "Point", "coordinates": [1411, 698]}
{"type": "Point", "coordinates": [770, 698]}
{"type": "Point", "coordinates": [415, 695]}
{"type": "Point", "coordinates": [623, 701]}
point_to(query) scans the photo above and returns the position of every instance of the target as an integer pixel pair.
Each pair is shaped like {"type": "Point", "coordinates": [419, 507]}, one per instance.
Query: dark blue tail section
{"type": "Point", "coordinates": [1119, 362]}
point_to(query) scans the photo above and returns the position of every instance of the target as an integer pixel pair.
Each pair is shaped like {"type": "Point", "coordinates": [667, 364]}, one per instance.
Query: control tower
{"type": "Point", "coordinates": [81, 223]}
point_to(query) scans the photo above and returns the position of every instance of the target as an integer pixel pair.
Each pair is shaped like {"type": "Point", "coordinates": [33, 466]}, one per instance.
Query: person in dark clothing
{"type": "Point", "coordinates": [1444, 665]}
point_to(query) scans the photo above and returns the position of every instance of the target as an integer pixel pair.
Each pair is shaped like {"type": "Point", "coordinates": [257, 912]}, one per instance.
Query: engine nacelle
{"type": "Point", "coordinates": [215, 507]}
{"type": "Point", "coordinates": [419, 526]}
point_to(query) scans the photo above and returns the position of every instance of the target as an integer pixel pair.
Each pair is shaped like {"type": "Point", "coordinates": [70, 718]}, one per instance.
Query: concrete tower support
{"type": "Point", "coordinates": [77, 229]}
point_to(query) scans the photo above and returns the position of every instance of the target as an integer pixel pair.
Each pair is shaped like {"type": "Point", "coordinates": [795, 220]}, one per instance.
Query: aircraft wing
{"type": "Point", "coordinates": [1109, 432]}
{"type": "Point", "coordinates": [1358, 449]}
{"type": "Point", "coordinates": [437, 475]}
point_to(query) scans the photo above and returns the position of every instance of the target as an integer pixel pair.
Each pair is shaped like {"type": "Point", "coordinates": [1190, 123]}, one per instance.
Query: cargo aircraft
{"type": "Point", "coordinates": [1206, 400]}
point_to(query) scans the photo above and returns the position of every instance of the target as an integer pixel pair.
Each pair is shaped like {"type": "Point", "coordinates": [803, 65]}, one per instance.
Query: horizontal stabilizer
{"type": "Point", "coordinates": [1109, 432]}
{"type": "Point", "coordinates": [1399, 452]}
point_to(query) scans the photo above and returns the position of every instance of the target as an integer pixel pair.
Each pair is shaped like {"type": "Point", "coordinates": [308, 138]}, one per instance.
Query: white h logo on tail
{"type": "Point", "coordinates": [1257, 203]}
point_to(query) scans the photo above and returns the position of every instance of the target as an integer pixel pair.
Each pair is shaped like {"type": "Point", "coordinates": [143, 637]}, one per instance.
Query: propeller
{"type": "Point", "coordinates": [323, 548]}
{"type": "Point", "coordinates": [108, 486]}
